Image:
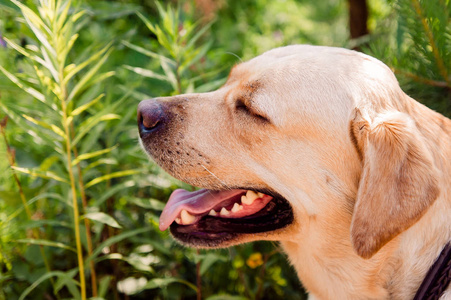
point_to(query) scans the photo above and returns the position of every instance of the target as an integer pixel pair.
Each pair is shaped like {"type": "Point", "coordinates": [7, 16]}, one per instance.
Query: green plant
{"type": "Point", "coordinates": [67, 95]}
{"type": "Point", "coordinates": [415, 41]}
{"type": "Point", "coordinates": [179, 53]}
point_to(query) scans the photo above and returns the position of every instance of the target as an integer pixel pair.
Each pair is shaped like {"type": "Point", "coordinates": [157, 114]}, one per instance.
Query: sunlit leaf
{"type": "Point", "coordinates": [52, 127]}
{"type": "Point", "coordinates": [87, 125]}
{"type": "Point", "coordinates": [85, 156]}
{"type": "Point", "coordinates": [71, 72]}
{"type": "Point", "coordinates": [102, 218]}
{"type": "Point", "coordinates": [45, 175]}
{"type": "Point", "coordinates": [46, 243]}
{"type": "Point", "coordinates": [111, 176]}
{"type": "Point", "coordinates": [135, 262]}
{"type": "Point", "coordinates": [163, 282]}
{"type": "Point", "coordinates": [82, 84]}
{"type": "Point", "coordinates": [27, 89]}
{"type": "Point", "coordinates": [147, 203]}
{"type": "Point", "coordinates": [147, 73]}
{"type": "Point", "coordinates": [146, 22]}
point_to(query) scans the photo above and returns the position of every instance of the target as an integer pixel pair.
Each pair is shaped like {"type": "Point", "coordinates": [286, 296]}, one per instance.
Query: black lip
{"type": "Point", "coordinates": [212, 231]}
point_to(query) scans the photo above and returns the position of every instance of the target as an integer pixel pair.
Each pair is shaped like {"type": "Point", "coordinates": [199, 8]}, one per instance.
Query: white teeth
{"type": "Point", "coordinates": [249, 198]}
{"type": "Point", "coordinates": [178, 221]}
{"type": "Point", "coordinates": [236, 207]}
{"type": "Point", "coordinates": [187, 218]}
{"type": "Point", "coordinates": [260, 195]}
{"type": "Point", "coordinates": [224, 212]}
{"type": "Point", "coordinates": [213, 213]}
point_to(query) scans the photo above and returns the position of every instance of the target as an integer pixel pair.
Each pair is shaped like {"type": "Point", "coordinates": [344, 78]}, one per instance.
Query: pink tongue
{"type": "Point", "coordinates": [197, 202]}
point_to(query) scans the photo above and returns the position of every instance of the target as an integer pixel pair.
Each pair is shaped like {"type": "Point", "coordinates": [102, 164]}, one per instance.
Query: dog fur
{"type": "Point", "coordinates": [366, 169]}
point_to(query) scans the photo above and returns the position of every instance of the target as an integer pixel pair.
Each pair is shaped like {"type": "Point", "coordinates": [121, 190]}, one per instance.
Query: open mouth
{"type": "Point", "coordinates": [209, 218]}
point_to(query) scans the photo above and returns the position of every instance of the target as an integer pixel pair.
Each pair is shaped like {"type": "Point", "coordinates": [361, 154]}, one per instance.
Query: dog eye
{"type": "Point", "coordinates": [240, 106]}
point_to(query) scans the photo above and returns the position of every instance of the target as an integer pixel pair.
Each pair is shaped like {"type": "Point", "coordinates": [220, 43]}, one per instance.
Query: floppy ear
{"type": "Point", "coordinates": [398, 182]}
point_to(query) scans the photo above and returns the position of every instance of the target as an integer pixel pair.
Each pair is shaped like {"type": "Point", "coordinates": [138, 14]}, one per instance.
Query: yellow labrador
{"type": "Point", "coordinates": [320, 149]}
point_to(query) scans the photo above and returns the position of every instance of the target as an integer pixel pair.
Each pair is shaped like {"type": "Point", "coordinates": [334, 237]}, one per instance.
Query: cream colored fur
{"type": "Point", "coordinates": [366, 168]}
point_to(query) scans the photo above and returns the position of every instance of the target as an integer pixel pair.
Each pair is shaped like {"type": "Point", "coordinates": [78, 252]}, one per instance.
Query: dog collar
{"type": "Point", "coordinates": [437, 278]}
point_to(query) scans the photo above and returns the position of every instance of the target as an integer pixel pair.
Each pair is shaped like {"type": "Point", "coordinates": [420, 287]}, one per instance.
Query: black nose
{"type": "Point", "coordinates": [150, 115]}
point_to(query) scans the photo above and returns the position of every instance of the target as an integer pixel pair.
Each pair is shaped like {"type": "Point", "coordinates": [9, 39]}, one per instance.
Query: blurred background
{"type": "Point", "coordinates": [80, 201]}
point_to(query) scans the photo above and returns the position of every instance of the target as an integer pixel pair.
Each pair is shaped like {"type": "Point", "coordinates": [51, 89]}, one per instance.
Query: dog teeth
{"type": "Point", "coordinates": [187, 218]}
{"type": "Point", "coordinates": [260, 195]}
{"type": "Point", "coordinates": [178, 221]}
{"type": "Point", "coordinates": [249, 198]}
{"type": "Point", "coordinates": [236, 207]}
{"type": "Point", "coordinates": [224, 212]}
{"type": "Point", "coordinates": [212, 213]}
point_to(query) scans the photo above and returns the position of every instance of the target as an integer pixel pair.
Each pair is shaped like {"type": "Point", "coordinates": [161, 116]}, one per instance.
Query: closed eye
{"type": "Point", "coordinates": [240, 106]}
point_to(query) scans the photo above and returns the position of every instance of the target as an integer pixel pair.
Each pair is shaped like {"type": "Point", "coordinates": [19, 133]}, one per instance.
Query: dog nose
{"type": "Point", "coordinates": [150, 115]}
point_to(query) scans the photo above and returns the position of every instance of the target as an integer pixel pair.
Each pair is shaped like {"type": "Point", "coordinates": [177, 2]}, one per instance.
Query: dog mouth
{"type": "Point", "coordinates": [209, 218]}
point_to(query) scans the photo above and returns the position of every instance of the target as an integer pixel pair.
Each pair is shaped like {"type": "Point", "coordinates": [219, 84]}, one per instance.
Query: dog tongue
{"type": "Point", "coordinates": [197, 202]}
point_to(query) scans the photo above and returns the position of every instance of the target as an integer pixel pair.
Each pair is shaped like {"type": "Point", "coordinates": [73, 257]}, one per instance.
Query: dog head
{"type": "Point", "coordinates": [298, 135]}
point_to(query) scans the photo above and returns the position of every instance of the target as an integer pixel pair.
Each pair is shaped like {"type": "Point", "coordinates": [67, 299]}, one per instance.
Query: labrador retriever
{"type": "Point", "coordinates": [320, 149]}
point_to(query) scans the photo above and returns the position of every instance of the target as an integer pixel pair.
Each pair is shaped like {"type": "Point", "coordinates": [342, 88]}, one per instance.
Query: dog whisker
{"type": "Point", "coordinates": [212, 174]}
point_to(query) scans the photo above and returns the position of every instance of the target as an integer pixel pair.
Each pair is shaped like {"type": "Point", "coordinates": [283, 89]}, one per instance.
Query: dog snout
{"type": "Point", "coordinates": [150, 116]}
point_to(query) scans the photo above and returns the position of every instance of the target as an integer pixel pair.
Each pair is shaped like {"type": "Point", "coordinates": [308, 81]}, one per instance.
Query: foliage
{"type": "Point", "coordinates": [71, 76]}
{"type": "Point", "coordinates": [416, 42]}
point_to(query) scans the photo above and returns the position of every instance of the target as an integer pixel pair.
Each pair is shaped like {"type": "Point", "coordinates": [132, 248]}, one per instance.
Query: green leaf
{"type": "Point", "coordinates": [110, 176]}
{"type": "Point", "coordinates": [113, 190]}
{"type": "Point", "coordinates": [87, 125]}
{"type": "Point", "coordinates": [69, 73]}
{"type": "Point", "coordinates": [31, 15]}
{"type": "Point", "coordinates": [103, 285]}
{"type": "Point", "coordinates": [67, 279]}
{"type": "Point", "coordinates": [172, 78]}
{"type": "Point", "coordinates": [148, 203]}
{"type": "Point", "coordinates": [146, 22]}
{"type": "Point", "coordinates": [43, 223]}
{"type": "Point", "coordinates": [39, 281]}
{"type": "Point", "coordinates": [102, 218]}
{"type": "Point", "coordinates": [146, 73]}
{"type": "Point", "coordinates": [91, 155]}
{"type": "Point", "coordinates": [83, 83]}
{"type": "Point", "coordinates": [46, 243]}
{"type": "Point", "coordinates": [84, 107]}
{"type": "Point", "coordinates": [115, 239]}
{"type": "Point", "coordinates": [148, 53]}
{"type": "Point", "coordinates": [199, 33]}
{"type": "Point", "coordinates": [41, 174]}
{"type": "Point", "coordinates": [136, 261]}
{"type": "Point", "coordinates": [209, 260]}
{"type": "Point", "coordinates": [52, 127]}
{"type": "Point", "coordinates": [41, 36]}
{"type": "Point", "coordinates": [27, 89]}
{"type": "Point", "coordinates": [31, 201]}
{"type": "Point", "coordinates": [163, 282]}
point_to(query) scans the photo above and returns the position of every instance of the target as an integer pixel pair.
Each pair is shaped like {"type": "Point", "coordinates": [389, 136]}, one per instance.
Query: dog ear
{"type": "Point", "coordinates": [398, 182]}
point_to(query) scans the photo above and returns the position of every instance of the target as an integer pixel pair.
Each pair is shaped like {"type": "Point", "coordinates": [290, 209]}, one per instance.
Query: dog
{"type": "Point", "coordinates": [317, 148]}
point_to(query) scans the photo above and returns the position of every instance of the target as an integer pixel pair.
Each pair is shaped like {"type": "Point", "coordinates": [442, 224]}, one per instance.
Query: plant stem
{"type": "Point", "coordinates": [76, 214]}
{"type": "Point", "coordinates": [87, 223]}
{"type": "Point", "coordinates": [75, 204]}
{"type": "Point", "coordinates": [417, 78]}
